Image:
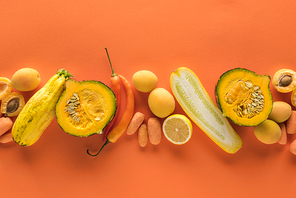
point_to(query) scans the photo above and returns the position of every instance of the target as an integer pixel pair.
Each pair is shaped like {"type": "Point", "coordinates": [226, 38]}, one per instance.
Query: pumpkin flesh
{"type": "Point", "coordinates": [85, 108]}
{"type": "Point", "coordinates": [244, 96]}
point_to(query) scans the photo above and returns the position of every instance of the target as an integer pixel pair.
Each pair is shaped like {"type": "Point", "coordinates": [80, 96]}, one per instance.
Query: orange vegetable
{"type": "Point", "coordinates": [5, 124]}
{"type": "Point", "coordinates": [5, 138]}
{"type": "Point", "coordinates": [116, 88]}
{"type": "Point", "coordinates": [143, 135]}
{"type": "Point", "coordinates": [121, 127]}
{"type": "Point", "coordinates": [291, 123]}
{"type": "Point", "coordinates": [283, 139]}
{"type": "Point", "coordinates": [135, 123]}
{"type": "Point", "coordinates": [293, 147]}
{"type": "Point", "coordinates": [154, 130]}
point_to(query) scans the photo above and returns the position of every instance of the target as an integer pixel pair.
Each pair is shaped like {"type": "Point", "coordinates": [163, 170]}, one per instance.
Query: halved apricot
{"type": "Point", "coordinates": [12, 104]}
{"type": "Point", "coordinates": [5, 87]}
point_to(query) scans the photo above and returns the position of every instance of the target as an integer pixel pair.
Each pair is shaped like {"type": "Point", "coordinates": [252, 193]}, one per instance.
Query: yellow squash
{"type": "Point", "coordinates": [39, 111]}
{"type": "Point", "coordinates": [198, 105]}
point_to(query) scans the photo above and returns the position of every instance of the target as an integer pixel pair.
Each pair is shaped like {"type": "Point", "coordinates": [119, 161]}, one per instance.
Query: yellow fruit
{"type": "Point", "coordinates": [177, 129]}
{"type": "Point", "coordinates": [144, 81]}
{"type": "Point", "coordinates": [268, 132]}
{"type": "Point", "coordinates": [161, 102]}
{"type": "Point", "coordinates": [25, 79]}
{"type": "Point", "coordinates": [5, 87]}
{"type": "Point", "coordinates": [280, 112]}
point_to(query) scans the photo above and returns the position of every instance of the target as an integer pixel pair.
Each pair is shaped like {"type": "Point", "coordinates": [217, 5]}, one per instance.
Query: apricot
{"type": "Point", "coordinates": [144, 81]}
{"type": "Point", "coordinates": [5, 87]}
{"type": "Point", "coordinates": [161, 102]}
{"type": "Point", "coordinates": [25, 79]}
{"type": "Point", "coordinates": [280, 112]}
{"type": "Point", "coordinates": [12, 104]}
{"type": "Point", "coordinates": [268, 132]}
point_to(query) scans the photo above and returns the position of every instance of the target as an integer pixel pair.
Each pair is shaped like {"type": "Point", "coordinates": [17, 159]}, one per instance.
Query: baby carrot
{"type": "Point", "coordinates": [293, 147]}
{"type": "Point", "coordinates": [5, 124]}
{"type": "Point", "coordinates": [5, 138]}
{"type": "Point", "coordinates": [291, 123]}
{"type": "Point", "coordinates": [143, 135]}
{"type": "Point", "coordinates": [283, 138]}
{"type": "Point", "coordinates": [135, 123]}
{"type": "Point", "coordinates": [154, 130]}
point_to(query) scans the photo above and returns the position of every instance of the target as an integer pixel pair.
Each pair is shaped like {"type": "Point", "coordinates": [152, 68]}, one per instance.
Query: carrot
{"type": "Point", "coordinates": [291, 123]}
{"type": "Point", "coordinates": [293, 147]}
{"type": "Point", "coordinates": [293, 97]}
{"type": "Point", "coordinates": [154, 130]}
{"type": "Point", "coordinates": [5, 124]}
{"type": "Point", "coordinates": [5, 138]}
{"type": "Point", "coordinates": [283, 138]}
{"type": "Point", "coordinates": [135, 123]}
{"type": "Point", "coordinates": [143, 135]}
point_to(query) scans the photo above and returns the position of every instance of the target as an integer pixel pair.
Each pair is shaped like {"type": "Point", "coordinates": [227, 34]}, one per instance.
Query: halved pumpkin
{"type": "Point", "coordinates": [85, 108]}
{"type": "Point", "coordinates": [244, 96]}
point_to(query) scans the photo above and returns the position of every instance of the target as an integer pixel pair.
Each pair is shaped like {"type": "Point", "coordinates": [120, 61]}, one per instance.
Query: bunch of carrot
{"type": "Point", "coordinates": [5, 125]}
{"type": "Point", "coordinates": [152, 129]}
{"type": "Point", "coordinates": [289, 127]}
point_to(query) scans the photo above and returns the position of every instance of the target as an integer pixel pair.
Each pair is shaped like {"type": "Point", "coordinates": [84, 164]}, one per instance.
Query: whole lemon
{"type": "Point", "coordinates": [144, 81]}
{"type": "Point", "coordinates": [161, 102]}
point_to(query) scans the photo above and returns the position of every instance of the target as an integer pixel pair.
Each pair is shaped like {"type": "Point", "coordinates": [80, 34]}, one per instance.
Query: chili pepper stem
{"type": "Point", "coordinates": [94, 155]}
{"type": "Point", "coordinates": [113, 73]}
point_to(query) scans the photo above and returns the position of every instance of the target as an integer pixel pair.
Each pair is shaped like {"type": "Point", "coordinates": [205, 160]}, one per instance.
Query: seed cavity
{"type": "Point", "coordinates": [72, 105]}
{"type": "Point", "coordinates": [247, 99]}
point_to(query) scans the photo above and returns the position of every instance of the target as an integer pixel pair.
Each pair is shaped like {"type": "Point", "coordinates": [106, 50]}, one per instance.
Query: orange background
{"type": "Point", "coordinates": [210, 37]}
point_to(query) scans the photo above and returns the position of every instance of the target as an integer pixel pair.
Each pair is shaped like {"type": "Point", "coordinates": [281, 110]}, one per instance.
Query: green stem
{"type": "Point", "coordinates": [107, 142]}
{"type": "Point", "coordinates": [64, 72]}
{"type": "Point", "coordinates": [113, 73]}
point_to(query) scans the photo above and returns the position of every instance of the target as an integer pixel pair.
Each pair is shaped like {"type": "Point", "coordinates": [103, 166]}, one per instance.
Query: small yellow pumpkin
{"type": "Point", "coordinates": [244, 96]}
{"type": "Point", "coordinates": [85, 108]}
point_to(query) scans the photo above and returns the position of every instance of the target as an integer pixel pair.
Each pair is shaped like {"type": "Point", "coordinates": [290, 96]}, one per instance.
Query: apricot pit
{"type": "Point", "coordinates": [12, 104]}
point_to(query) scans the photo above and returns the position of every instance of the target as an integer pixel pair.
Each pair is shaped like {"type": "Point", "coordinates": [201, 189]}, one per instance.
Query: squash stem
{"type": "Point", "coordinates": [113, 73]}
{"type": "Point", "coordinates": [94, 155]}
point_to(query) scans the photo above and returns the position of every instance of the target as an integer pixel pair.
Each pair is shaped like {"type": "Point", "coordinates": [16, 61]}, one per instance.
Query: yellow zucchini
{"type": "Point", "coordinates": [198, 105]}
{"type": "Point", "coordinates": [39, 111]}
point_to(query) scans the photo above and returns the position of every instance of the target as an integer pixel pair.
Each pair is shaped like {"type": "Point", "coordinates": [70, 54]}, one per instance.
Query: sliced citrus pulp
{"type": "Point", "coordinates": [177, 129]}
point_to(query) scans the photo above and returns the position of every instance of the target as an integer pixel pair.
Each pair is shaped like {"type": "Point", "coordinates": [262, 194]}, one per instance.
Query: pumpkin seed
{"type": "Point", "coordinates": [248, 84]}
{"type": "Point", "coordinates": [75, 95]}
{"type": "Point", "coordinates": [256, 88]}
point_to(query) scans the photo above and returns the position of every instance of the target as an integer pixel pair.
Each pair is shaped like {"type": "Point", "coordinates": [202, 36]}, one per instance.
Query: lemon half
{"type": "Point", "coordinates": [177, 129]}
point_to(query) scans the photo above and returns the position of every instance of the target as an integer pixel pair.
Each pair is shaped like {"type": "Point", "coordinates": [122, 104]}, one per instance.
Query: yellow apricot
{"type": "Point", "coordinates": [280, 112]}
{"type": "Point", "coordinates": [25, 79]}
{"type": "Point", "coordinates": [5, 87]}
{"type": "Point", "coordinates": [268, 132]}
{"type": "Point", "coordinates": [161, 102]}
{"type": "Point", "coordinates": [144, 81]}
